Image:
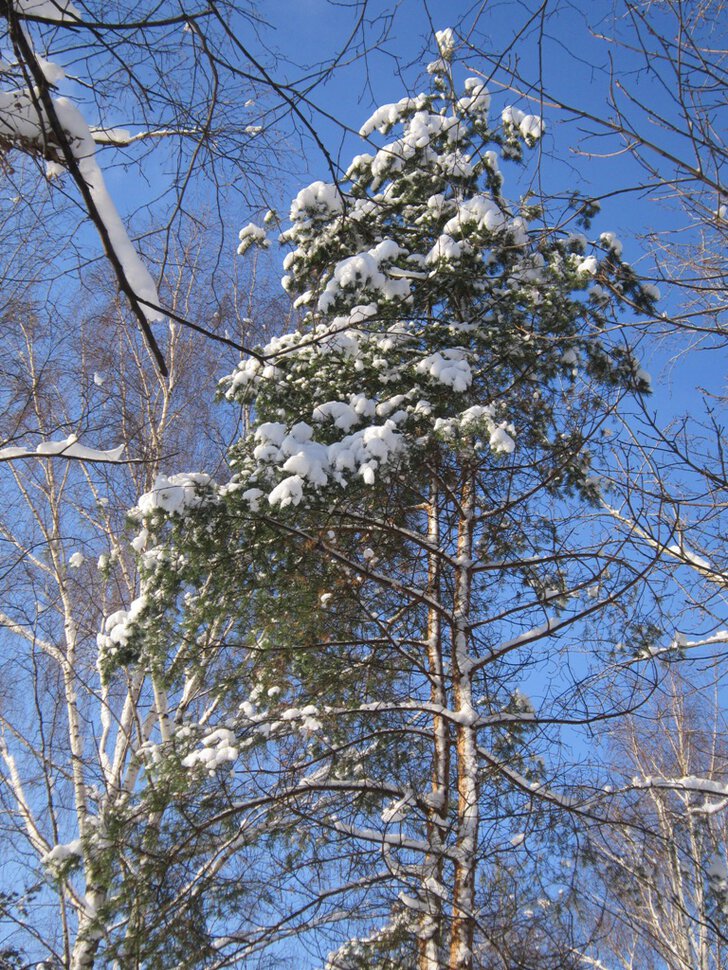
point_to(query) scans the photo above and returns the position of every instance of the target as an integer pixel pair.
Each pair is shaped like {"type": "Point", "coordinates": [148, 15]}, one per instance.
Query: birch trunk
{"type": "Point", "coordinates": [463, 916]}
{"type": "Point", "coordinates": [432, 938]}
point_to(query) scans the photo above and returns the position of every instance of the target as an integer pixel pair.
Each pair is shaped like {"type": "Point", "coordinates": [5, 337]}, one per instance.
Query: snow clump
{"type": "Point", "coordinates": [530, 127]}
{"type": "Point", "coordinates": [588, 265]}
{"type": "Point", "coordinates": [252, 235]}
{"type": "Point", "coordinates": [449, 367]}
{"type": "Point", "coordinates": [174, 494]}
{"type": "Point", "coordinates": [320, 200]}
{"type": "Point", "coordinates": [445, 40]}
{"type": "Point", "coordinates": [118, 628]}
{"type": "Point", "coordinates": [61, 857]}
{"type": "Point", "coordinates": [610, 241]}
{"type": "Point", "coordinates": [219, 749]}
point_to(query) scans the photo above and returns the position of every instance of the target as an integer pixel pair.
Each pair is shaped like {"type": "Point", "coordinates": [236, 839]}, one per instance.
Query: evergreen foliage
{"type": "Point", "coordinates": [397, 546]}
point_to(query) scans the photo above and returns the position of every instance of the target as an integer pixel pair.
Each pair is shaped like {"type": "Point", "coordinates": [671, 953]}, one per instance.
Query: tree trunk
{"type": "Point", "coordinates": [432, 938]}
{"type": "Point", "coordinates": [463, 916]}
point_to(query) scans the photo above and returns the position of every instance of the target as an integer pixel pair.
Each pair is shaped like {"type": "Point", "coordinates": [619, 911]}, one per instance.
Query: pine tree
{"type": "Point", "coordinates": [412, 528]}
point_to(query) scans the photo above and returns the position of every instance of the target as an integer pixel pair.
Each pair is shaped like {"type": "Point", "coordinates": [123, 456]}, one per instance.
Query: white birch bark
{"type": "Point", "coordinates": [463, 917]}
{"type": "Point", "coordinates": [432, 929]}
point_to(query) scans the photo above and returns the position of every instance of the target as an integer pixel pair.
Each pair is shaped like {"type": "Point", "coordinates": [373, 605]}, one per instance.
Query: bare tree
{"type": "Point", "coordinates": [659, 866]}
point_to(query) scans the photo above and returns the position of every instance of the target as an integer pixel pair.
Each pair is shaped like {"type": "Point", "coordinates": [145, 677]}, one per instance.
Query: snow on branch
{"type": "Point", "coordinates": [691, 784]}
{"type": "Point", "coordinates": [681, 643]}
{"type": "Point", "coordinates": [84, 150]}
{"type": "Point", "coordinates": [679, 552]}
{"type": "Point", "coordinates": [56, 11]}
{"type": "Point", "coordinates": [66, 448]}
{"type": "Point", "coordinates": [122, 137]}
{"type": "Point", "coordinates": [33, 121]}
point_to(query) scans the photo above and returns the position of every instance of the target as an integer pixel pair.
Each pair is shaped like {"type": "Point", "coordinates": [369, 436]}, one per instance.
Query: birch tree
{"type": "Point", "coordinates": [72, 750]}
{"type": "Point", "coordinates": [661, 863]}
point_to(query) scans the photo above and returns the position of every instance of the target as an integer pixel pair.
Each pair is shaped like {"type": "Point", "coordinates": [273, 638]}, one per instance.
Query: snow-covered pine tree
{"type": "Point", "coordinates": [410, 534]}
